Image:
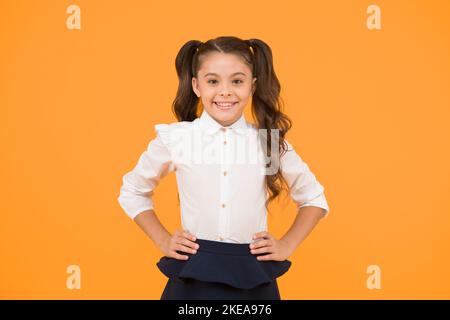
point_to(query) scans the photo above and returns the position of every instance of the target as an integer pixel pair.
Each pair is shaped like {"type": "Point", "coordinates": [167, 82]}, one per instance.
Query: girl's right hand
{"type": "Point", "coordinates": [181, 240]}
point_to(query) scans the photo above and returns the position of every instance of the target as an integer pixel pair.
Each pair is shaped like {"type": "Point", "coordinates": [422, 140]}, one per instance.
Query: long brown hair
{"type": "Point", "coordinates": [267, 104]}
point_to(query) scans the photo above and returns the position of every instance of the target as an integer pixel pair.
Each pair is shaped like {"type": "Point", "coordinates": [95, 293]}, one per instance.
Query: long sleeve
{"type": "Point", "coordinates": [139, 184]}
{"type": "Point", "coordinates": [304, 188]}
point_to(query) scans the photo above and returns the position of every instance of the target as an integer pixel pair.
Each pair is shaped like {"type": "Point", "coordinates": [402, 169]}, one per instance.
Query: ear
{"type": "Point", "coordinates": [195, 86]}
{"type": "Point", "coordinates": [253, 86]}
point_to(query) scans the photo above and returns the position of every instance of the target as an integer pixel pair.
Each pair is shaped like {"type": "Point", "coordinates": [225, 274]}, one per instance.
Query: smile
{"type": "Point", "coordinates": [224, 105]}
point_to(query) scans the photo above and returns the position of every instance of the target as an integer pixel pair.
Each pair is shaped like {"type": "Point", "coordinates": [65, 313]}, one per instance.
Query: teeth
{"type": "Point", "coordinates": [224, 104]}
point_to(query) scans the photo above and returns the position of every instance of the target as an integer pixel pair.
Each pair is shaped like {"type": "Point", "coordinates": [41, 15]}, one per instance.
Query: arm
{"type": "Point", "coordinates": [305, 221]}
{"type": "Point", "coordinates": [309, 195]}
{"type": "Point", "coordinates": [136, 197]}
{"type": "Point", "coordinates": [139, 184]}
{"type": "Point", "coordinates": [307, 192]}
{"type": "Point", "coordinates": [168, 244]}
{"type": "Point", "coordinates": [149, 223]}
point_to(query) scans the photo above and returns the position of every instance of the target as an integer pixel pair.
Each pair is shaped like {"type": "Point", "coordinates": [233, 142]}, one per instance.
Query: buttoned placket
{"type": "Point", "coordinates": [224, 216]}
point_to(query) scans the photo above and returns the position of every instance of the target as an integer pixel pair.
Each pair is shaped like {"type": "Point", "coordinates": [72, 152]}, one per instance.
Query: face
{"type": "Point", "coordinates": [224, 83]}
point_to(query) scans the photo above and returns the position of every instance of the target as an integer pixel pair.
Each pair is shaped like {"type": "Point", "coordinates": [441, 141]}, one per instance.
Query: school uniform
{"type": "Point", "coordinates": [220, 174]}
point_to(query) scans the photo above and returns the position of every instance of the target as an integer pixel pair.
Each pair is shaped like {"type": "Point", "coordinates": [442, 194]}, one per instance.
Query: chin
{"type": "Point", "coordinates": [224, 118]}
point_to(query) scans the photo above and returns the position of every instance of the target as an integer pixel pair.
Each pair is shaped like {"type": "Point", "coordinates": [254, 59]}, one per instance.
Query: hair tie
{"type": "Point", "coordinates": [199, 44]}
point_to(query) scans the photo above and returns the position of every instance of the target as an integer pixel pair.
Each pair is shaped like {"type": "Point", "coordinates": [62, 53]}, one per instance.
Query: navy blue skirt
{"type": "Point", "coordinates": [221, 271]}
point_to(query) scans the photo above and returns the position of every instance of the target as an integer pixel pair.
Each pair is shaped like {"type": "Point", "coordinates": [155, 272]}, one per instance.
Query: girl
{"type": "Point", "coordinates": [224, 250]}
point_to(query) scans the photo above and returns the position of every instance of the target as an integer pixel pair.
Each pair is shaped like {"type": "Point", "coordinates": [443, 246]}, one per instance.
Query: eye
{"type": "Point", "coordinates": [209, 81]}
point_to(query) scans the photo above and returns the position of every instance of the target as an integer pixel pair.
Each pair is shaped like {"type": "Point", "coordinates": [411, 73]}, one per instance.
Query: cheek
{"type": "Point", "coordinates": [205, 92]}
{"type": "Point", "coordinates": [208, 95]}
{"type": "Point", "coordinates": [244, 96]}
{"type": "Point", "coordinates": [241, 107]}
{"type": "Point", "coordinates": [246, 92]}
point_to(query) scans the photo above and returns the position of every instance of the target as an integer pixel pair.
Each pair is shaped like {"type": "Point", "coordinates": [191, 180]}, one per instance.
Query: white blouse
{"type": "Point", "coordinates": [220, 177]}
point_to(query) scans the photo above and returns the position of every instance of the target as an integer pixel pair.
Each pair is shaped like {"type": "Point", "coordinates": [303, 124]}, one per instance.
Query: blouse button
{"type": "Point", "coordinates": [224, 173]}
{"type": "Point", "coordinates": [224, 142]}
{"type": "Point", "coordinates": [220, 238]}
{"type": "Point", "coordinates": [223, 129]}
{"type": "Point", "coordinates": [223, 205]}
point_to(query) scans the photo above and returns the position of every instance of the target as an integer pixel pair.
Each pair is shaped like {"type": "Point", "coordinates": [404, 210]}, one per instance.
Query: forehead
{"type": "Point", "coordinates": [223, 64]}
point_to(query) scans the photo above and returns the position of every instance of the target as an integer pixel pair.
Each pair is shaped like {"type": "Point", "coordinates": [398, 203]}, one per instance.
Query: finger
{"type": "Point", "coordinates": [266, 257]}
{"type": "Point", "coordinates": [189, 235]}
{"type": "Point", "coordinates": [179, 256]}
{"type": "Point", "coordinates": [261, 234]}
{"type": "Point", "coordinates": [188, 243]}
{"type": "Point", "coordinates": [261, 250]}
{"type": "Point", "coordinates": [178, 237]}
{"type": "Point", "coordinates": [260, 243]}
{"type": "Point", "coordinates": [188, 239]}
{"type": "Point", "coordinates": [184, 248]}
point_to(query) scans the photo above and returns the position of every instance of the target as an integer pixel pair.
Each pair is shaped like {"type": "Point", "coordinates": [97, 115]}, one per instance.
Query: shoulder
{"type": "Point", "coordinates": [290, 155]}
{"type": "Point", "coordinates": [290, 147]}
{"type": "Point", "coordinates": [160, 127]}
{"type": "Point", "coordinates": [167, 132]}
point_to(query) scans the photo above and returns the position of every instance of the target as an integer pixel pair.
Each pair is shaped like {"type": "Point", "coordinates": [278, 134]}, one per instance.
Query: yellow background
{"type": "Point", "coordinates": [370, 110]}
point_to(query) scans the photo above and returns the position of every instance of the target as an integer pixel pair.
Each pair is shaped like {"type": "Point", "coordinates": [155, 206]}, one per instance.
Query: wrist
{"type": "Point", "coordinates": [162, 241]}
{"type": "Point", "coordinates": [289, 245]}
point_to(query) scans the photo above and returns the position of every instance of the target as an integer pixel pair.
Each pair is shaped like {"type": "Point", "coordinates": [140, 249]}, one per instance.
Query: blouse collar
{"type": "Point", "coordinates": [212, 126]}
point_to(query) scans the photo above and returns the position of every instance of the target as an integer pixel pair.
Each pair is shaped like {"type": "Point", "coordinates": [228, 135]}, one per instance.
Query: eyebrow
{"type": "Point", "coordinates": [215, 74]}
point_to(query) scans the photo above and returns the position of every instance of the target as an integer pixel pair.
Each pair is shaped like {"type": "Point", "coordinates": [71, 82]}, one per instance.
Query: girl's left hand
{"type": "Point", "coordinates": [279, 250]}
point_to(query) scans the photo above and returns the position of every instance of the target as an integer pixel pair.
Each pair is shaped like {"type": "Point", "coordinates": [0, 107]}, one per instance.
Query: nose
{"type": "Point", "coordinates": [225, 91]}
{"type": "Point", "coordinates": [225, 94]}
